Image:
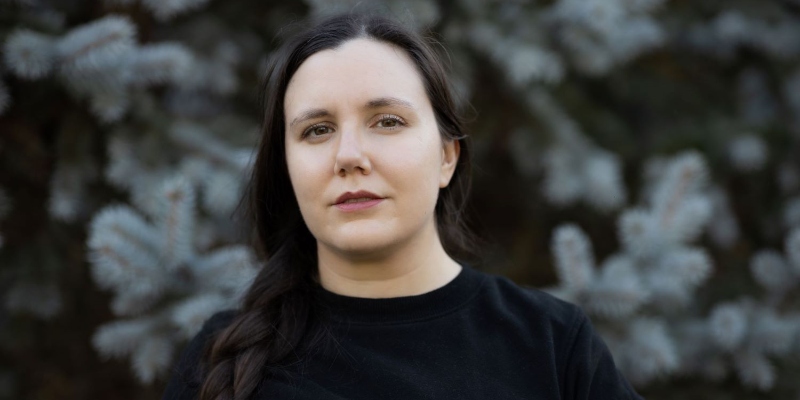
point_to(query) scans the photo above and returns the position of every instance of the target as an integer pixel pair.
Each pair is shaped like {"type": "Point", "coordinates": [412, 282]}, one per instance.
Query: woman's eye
{"type": "Point", "coordinates": [390, 122]}
{"type": "Point", "coordinates": [317, 130]}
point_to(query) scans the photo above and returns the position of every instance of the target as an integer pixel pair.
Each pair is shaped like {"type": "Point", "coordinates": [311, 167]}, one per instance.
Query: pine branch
{"type": "Point", "coordinates": [29, 54]}
{"type": "Point", "coordinates": [574, 259]}
{"type": "Point", "coordinates": [748, 153]}
{"type": "Point", "coordinates": [617, 293]}
{"type": "Point", "coordinates": [175, 220]}
{"type": "Point", "coordinates": [119, 339]}
{"type": "Point", "coordinates": [165, 10]}
{"type": "Point", "coordinates": [96, 45]}
{"type": "Point", "coordinates": [649, 351]}
{"type": "Point", "coordinates": [152, 357]}
{"type": "Point", "coordinates": [40, 300]}
{"type": "Point", "coordinates": [162, 63]}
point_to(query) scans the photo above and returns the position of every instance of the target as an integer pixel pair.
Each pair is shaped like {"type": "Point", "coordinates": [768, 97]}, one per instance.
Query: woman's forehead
{"type": "Point", "coordinates": [357, 71]}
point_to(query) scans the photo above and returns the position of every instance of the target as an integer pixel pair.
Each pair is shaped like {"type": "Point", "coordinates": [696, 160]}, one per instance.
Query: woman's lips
{"type": "Point", "coordinates": [358, 205]}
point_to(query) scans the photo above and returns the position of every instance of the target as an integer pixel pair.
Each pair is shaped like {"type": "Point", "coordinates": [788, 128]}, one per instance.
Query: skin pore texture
{"type": "Point", "coordinates": [358, 118]}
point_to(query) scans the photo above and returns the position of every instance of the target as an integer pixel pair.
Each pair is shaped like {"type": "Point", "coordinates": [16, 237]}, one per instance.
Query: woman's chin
{"type": "Point", "coordinates": [361, 244]}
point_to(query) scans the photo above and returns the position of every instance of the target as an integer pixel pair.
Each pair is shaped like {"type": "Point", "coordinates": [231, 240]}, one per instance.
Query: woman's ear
{"type": "Point", "coordinates": [450, 151]}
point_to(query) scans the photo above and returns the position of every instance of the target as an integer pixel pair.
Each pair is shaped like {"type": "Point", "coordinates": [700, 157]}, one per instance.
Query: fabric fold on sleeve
{"type": "Point", "coordinates": [591, 373]}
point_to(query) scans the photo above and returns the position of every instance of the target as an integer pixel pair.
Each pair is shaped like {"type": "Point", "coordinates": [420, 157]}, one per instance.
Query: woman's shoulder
{"type": "Point", "coordinates": [215, 323]}
{"type": "Point", "coordinates": [185, 378]}
{"type": "Point", "coordinates": [219, 320]}
{"type": "Point", "coordinates": [530, 303]}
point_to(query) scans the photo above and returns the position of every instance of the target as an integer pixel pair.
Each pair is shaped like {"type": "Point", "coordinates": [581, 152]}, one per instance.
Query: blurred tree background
{"type": "Point", "coordinates": [636, 157]}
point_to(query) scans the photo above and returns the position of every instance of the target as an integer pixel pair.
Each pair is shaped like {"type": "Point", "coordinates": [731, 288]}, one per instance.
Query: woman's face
{"type": "Point", "coordinates": [358, 119]}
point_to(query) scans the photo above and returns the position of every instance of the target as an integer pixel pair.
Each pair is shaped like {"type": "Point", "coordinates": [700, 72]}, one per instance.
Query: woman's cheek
{"type": "Point", "coordinates": [305, 182]}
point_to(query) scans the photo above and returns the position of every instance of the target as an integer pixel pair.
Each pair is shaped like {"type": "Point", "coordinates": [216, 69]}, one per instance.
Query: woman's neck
{"type": "Point", "coordinates": [416, 267]}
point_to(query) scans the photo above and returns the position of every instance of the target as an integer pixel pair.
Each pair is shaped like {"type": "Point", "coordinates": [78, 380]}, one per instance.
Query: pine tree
{"type": "Point", "coordinates": [648, 149]}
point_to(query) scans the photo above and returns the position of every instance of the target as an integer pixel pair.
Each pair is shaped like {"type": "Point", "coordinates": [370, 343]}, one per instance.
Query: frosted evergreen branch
{"type": "Point", "coordinates": [94, 61]}
{"type": "Point", "coordinates": [131, 167]}
{"type": "Point", "coordinates": [771, 271]}
{"type": "Point", "coordinates": [165, 10]}
{"type": "Point", "coordinates": [791, 213]}
{"type": "Point", "coordinates": [748, 153]}
{"type": "Point", "coordinates": [648, 352]}
{"type": "Point", "coordinates": [42, 300]}
{"type": "Point", "coordinates": [123, 163]}
{"type": "Point", "coordinates": [602, 173]}
{"type": "Point", "coordinates": [101, 61]}
{"type": "Point", "coordinates": [123, 252]}
{"type": "Point", "coordinates": [617, 292]}
{"type": "Point", "coordinates": [776, 36]}
{"type": "Point", "coordinates": [29, 54]}
{"type": "Point", "coordinates": [656, 269]}
{"type": "Point", "coordinates": [230, 269]}
{"type": "Point", "coordinates": [598, 35]}
{"type": "Point", "coordinates": [214, 76]}
{"type": "Point", "coordinates": [175, 221]}
{"type": "Point", "coordinates": [190, 314]}
{"type": "Point", "coordinates": [158, 279]}
{"type": "Point", "coordinates": [772, 334]}
{"type": "Point", "coordinates": [575, 168]}
{"type": "Point", "coordinates": [418, 14]}
{"type": "Point", "coordinates": [222, 191]}
{"type": "Point", "coordinates": [755, 370]}
{"type": "Point", "coordinates": [668, 292]}
{"type": "Point", "coordinates": [573, 257]}
{"type": "Point", "coordinates": [119, 339]}
{"type": "Point", "coordinates": [141, 339]}
{"type": "Point", "coordinates": [638, 233]}
{"type": "Point", "coordinates": [692, 265]}
{"type": "Point", "coordinates": [728, 323]}
{"type": "Point", "coordinates": [196, 138]}
{"type": "Point", "coordinates": [746, 333]}
{"type": "Point", "coordinates": [523, 62]}
{"type": "Point", "coordinates": [686, 174]}
{"type": "Point", "coordinates": [96, 45]}
{"type": "Point", "coordinates": [152, 357]}
{"type": "Point", "coordinates": [67, 187]}
{"type": "Point", "coordinates": [162, 63]}
{"type": "Point", "coordinates": [723, 228]}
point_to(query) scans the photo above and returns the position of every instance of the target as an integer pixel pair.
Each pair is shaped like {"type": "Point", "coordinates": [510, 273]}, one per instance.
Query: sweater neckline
{"type": "Point", "coordinates": [442, 300]}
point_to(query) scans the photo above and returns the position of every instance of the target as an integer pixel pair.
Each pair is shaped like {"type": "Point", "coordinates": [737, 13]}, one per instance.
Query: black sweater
{"type": "Point", "coordinates": [480, 336]}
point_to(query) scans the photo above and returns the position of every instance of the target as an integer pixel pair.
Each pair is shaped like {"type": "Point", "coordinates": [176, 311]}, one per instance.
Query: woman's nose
{"type": "Point", "coordinates": [350, 154]}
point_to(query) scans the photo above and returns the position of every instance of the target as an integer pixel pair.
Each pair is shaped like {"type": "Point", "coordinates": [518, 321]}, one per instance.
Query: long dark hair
{"type": "Point", "coordinates": [278, 308]}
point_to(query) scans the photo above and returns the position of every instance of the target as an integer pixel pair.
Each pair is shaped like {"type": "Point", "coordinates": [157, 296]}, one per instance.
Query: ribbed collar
{"type": "Point", "coordinates": [366, 311]}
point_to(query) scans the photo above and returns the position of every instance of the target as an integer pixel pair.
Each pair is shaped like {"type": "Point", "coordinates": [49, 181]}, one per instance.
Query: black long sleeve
{"type": "Point", "coordinates": [184, 383]}
{"type": "Point", "coordinates": [591, 371]}
{"type": "Point", "coordinates": [480, 336]}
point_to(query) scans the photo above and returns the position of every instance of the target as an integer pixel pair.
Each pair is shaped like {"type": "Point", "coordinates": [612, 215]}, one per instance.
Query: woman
{"type": "Point", "coordinates": [357, 195]}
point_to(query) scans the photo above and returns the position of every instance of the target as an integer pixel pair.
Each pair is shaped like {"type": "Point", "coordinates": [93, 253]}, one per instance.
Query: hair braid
{"type": "Point", "coordinates": [267, 330]}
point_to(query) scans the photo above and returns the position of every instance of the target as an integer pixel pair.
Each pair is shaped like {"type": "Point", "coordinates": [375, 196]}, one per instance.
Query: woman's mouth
{"type": "Point", "coordinates": [358, 204]}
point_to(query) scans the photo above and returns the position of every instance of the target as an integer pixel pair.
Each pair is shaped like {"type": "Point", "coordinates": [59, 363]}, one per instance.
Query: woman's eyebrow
{"type": "Point", "coordinates": [374, 103]}
{"type": "Point", "coordinates": [310, 114]}
{"type": "Point", "coordinates": [387, 102]}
